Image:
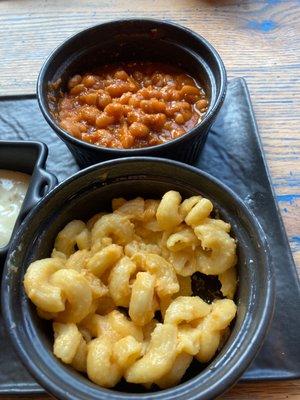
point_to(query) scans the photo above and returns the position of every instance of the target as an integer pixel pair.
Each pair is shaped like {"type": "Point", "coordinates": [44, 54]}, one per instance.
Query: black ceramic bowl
{"type": "Point", "coordinates": [29, 158]}
{"type": "Point", "coordinates": [83, 195]}
{"type": "Point", "coordinates": [129, 40]}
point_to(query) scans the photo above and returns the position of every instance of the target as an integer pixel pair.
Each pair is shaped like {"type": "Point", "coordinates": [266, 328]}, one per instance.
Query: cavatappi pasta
{"type": "Point", "coordinates": [118, 290]}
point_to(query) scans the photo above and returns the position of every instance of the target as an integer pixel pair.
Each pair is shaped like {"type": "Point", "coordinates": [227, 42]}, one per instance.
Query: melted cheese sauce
{"type": "Point", "coordinates": [13, 188]}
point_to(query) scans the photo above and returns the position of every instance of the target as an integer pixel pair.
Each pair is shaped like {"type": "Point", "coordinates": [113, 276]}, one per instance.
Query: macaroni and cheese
{"type": "Point", "coordinates": [118, 289]}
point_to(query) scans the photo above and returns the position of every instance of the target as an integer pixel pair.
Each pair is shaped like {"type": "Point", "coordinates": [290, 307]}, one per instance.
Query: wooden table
{"type": "Point", "coordinates": [258, 40]}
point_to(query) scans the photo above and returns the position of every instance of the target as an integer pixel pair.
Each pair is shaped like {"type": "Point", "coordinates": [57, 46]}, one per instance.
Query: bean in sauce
{"type": "Point", "coordinates": [133, 105]}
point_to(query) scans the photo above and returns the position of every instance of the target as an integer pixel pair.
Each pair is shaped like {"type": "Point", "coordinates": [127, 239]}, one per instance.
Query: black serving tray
{"type": "Point", "coordinates": [233, 153]}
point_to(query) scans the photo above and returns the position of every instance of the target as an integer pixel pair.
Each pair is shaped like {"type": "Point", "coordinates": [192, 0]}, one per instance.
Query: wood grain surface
{"type": "Point", "coordinates": [258, 40]}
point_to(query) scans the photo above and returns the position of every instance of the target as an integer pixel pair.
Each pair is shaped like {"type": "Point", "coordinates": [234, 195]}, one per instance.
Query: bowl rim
{"type": "Point", "coordinates": [207, 119]}
{"type": "Point", "coordinates": [191, 387]}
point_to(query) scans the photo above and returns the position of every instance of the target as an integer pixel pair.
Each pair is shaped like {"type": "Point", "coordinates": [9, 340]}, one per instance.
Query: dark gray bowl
{"type": "Point", "coordinates": [86, 193]}
{"type": "Point", "coordinates": [127, 40]}
{"type": "Point", "coordinates": [30, 158]}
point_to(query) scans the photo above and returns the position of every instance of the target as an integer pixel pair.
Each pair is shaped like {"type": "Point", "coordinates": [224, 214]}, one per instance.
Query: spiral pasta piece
{"type": "Point", "coordinates": [119, 286]}
{"type": "Point", "coordinates": [101, 368]}
{"type": "Point", "coordinates": [115, 226]}
{"type": "Point", "coordinates": [77, 292]}
{"type": "Point", "coordinates": [41, 291]}
{"type": "Point", "coordinates": [159, 357]}
{"type": "Point", "coordinates": [141, 306]}
{"type": "Point", "coordinates": [211, 327]}
{"type": "Point", "coordinates": [166, 280]}
{"type": "Point", "coordinates": [167, 213]}
{"type": "Point", "coordinates": [66, 239]}
{"type": "Point", "coordinates": [186, 308]}
{"type": "Point", "coordinates": [222, 248]}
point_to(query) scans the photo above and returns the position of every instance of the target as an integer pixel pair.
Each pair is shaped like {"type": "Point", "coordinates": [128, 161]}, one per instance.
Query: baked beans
{"type": "Point", "coordinates": [134, 105]}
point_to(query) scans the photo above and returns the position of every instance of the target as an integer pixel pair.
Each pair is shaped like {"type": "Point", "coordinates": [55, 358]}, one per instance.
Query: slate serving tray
{"type": "Point", "coordinates": [233, 153]}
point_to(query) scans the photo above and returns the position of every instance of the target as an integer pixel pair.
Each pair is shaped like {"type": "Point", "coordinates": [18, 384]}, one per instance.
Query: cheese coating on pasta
{"type": "Point", "coordinates": [118, 289]}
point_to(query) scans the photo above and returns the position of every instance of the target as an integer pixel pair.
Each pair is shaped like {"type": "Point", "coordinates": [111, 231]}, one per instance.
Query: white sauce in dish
{"type": "Point", "coordinates": [13, 188]}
